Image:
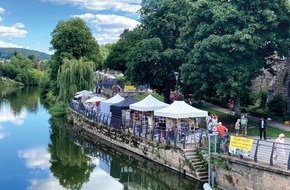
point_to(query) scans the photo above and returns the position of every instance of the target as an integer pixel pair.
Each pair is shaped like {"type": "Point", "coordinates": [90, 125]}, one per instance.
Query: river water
{"type": "Point", "coordinates": [41, 153]}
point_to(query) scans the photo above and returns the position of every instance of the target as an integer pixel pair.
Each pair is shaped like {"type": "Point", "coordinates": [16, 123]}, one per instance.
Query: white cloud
{"type": "Point", "coordinates": [2, 11]}
{"type": "Point", "coordinates": [18, 25]}
{"type": "Point", "coordinates": [12, 32]}
{"type": "Point", "coordinates": [36, 158]}
{"type": "Point", "coordinates": [108, 27]}
{"type": "Point", "coordinates": [1, 19]}
{"type": "Point", "coordinates": [130, 6]}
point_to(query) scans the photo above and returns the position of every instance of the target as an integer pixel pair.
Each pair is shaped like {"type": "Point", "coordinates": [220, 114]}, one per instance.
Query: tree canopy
{"type": "Point", "coordinates": [72, 39]}
{"type": "Point", "coordinates": [74, 75]}
{"type": "Point", "coordinates": [229, 41]}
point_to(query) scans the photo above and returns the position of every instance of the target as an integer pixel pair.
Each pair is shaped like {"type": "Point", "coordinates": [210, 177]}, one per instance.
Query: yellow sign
{"type": "Point", "coordinates": [129, 88]}
{"type": "Point", "coordinates": [241, 143]}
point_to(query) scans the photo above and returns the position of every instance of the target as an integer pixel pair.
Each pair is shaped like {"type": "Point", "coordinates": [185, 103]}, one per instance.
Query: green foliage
{"type": "Point", "coordinates": [226, 44]}
{"type": "Point", "coordinates": [277, 105]}
{"type": "Point", "coordinates": [72, 39]}
{"type": "Point", "coordinates": [59, 109]}
{"type": "Point", "coordinates": [259, 112]}
{"type": "Point", "coordinates": [259, 98]}
{"type": "Point", "coordinates": [44, 84]}
{"type": "Point", "coordinates": [21, 69]}
{"type": "Point", "coordinates": [9, 70]}
{"type": "Point", "coordinates": [118, 57]}
{"type": "Point", "coordinates": [144, 95]}
{"type": "Point", "coordinates": [104, 53]}
{"type": "Point", "coordinates": [74, 75]}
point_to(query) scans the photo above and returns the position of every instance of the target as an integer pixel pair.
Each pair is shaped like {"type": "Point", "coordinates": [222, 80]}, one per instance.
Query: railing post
{"type": "Point", "coordinates": [175, 138]}
{"type": "Point", "coordinates": [272, 152]}
{"type": "Point", "coordinates": [288, 164]}
{"type": "Point", "coordinates": [256, 152]}
{"type": "Point", "coordinates": [146, 127]}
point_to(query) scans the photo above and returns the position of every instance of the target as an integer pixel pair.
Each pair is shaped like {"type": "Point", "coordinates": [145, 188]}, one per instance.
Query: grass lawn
{"type": "Point", "coordinates": [142, 96]}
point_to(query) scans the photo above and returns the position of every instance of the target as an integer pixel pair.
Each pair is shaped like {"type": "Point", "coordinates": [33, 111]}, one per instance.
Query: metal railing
{"type": "Point", "coordinates": [262, 150]}
{"type": "Point", "coordinates": [182, 138]}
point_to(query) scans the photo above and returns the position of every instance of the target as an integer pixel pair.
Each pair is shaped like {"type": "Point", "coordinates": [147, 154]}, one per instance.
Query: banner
{"type": "Point", "coordinates": [241, 146]}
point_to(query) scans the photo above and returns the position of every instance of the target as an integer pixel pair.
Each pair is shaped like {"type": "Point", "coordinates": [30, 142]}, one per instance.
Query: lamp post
{"type": "Point", "coordinates": [176, 78]}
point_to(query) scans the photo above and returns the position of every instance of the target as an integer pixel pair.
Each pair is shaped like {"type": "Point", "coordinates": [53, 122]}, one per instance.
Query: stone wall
{"type": "Point", "coordinates": [252, 176]}
{"type": "Point", "coordinates": [275, 77]}
{"type": "Point", "coordinates": [171, 157]}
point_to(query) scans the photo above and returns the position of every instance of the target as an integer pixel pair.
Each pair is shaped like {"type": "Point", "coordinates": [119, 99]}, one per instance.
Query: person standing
{"type": "Point", "coordinates": [237, 127]}
{"type": "Point", "coordinates": [208, 117]}
{"type": "Point", "coordinates": [210, 126]}
{"type": "Point", "coordinates": [262, 128]}
{"type": "Point", "coordinates": [244, 125]}
{"type": "Point", "coordinates": [279, 148]}
{"type": "Point", "coordinates": [222, 130]}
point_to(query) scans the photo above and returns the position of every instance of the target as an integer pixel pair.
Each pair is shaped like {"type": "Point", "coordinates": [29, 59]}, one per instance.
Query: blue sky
{"type": "Point", "coordinates": [29, 23]}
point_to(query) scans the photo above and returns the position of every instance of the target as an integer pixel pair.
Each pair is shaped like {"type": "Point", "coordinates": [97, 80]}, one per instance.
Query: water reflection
{"type": "Point", "coordinates": [35, 158]}
{"type": "Point", "coordinates": [19, 99]}
{"type": "Point", "coordinates": [2, 133]}
{"type": "Point", "coordinates": [7, 115]}
{"type": "Point", "coordinates": [68, 164]}
{"type": "Point", "coordinates": [133, 171]}
{"type": "Point", "coordinates": [42, 155]}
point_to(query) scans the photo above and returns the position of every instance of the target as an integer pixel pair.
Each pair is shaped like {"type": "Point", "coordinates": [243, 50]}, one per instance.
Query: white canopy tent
{"type": "Point", "coordinates": [148, 104]}
{"type": "Point", "coordinates": [179, 110]}
{"type": "Point", "coordinates": [105, 105]}
{"type": "Point", "coordinates": [95, 99]}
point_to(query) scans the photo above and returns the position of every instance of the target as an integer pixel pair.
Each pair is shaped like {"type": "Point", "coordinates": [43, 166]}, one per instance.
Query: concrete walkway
{"type": "Point", "coordinates": [251, 118]}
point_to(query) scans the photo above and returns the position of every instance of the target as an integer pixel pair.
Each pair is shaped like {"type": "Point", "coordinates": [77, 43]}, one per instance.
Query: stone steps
{"type": "Point", "coordinates": [197, 163]}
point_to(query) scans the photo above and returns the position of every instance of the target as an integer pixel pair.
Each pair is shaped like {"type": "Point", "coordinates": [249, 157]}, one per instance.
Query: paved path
{"type": "Point", "coordinates": [251, 118]}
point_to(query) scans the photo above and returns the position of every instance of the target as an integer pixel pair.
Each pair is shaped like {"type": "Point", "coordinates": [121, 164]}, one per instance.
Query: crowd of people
{"type": "Point", "coordinates": [241, 126]}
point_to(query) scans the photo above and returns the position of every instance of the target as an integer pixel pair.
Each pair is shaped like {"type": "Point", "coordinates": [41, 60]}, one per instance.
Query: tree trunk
{"type": "Point", "coordinates": [166, 94]}
{"type": "Point", "coordinates": [237, 106]}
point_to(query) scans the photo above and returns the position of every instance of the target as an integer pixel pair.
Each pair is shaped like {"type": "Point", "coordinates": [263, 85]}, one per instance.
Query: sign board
{"type": "Point", "coordinates": [240, 145]}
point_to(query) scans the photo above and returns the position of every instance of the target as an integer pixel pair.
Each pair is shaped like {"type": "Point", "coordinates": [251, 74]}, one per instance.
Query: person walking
{"type": "Point", "coordinates": [262, 128]}
{"type": "Point", "coordinates": [237, 126]}
{"type": "Point", "coordinates": [244, 124]}
{"type": "Point", "coordinates": [279, 148]}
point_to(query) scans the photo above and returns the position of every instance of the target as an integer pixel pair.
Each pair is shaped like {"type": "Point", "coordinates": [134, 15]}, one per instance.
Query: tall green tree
{"type": "Point", "coordinates": [119, 54]}
{"type": "Point", "coordinates": [162, 20]}
{"type": "Point", "coordinates": [72, 39]}
{"type": "Point", "coordinates": [74, 75]}
{"type": "Point", "coordinates": [228, 43]}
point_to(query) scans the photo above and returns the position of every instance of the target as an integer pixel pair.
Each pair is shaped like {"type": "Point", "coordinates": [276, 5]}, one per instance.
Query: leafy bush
{"type": "Point", "coordinates": [277, 105]}
{"type": "Point", "coordinates": [259, 98]}
{"type": "Point", "coordinates": [259, 112]}
{"type": "Point", "coordinates": [59, 109]}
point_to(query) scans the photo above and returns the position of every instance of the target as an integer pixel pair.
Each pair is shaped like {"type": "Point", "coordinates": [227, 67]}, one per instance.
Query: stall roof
{"type": "Point", "coordinates": [180, 109]}
{"type": "Point", "coordinates": [148, 104]}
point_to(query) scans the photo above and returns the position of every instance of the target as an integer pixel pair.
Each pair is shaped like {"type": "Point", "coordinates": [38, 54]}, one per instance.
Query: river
{"type": "Point", "coordinates": [40, 153]}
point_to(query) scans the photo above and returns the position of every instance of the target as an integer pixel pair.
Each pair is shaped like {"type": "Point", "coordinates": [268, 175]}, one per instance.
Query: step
{"type": "Point", "coordinates": [190, 153]}
{"type": "Point", "coordinates": [189, 150]}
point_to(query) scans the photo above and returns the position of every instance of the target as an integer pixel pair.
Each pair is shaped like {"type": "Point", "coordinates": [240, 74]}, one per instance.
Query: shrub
{"type": "Point", "coordinates": [259, 98]}
{"type": "Point", "coordinates": [277, 105]}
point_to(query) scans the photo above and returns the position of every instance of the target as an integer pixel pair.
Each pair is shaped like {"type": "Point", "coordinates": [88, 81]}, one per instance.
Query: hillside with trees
{"type": "Point", "coordinates": [7, 53]}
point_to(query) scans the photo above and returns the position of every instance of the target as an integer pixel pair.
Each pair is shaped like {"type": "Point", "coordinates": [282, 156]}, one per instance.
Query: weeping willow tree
{"type": "Point", "coordinates": [74, 75]}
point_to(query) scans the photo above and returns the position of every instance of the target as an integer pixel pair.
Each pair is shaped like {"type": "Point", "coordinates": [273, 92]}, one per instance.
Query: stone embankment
{"type": "Point", "coordinates": [184, 161]}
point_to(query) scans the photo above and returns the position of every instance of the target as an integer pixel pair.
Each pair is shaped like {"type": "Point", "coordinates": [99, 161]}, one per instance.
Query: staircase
{"type": "Point", "coordinates": [196, 164]}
